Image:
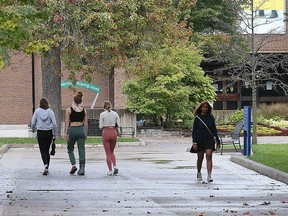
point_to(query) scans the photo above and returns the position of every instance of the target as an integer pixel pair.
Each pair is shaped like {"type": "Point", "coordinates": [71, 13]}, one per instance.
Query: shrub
{"type": "Point", "coordinates": [236, 116]}
{"type": "Point", "coordinates": [275, 111]}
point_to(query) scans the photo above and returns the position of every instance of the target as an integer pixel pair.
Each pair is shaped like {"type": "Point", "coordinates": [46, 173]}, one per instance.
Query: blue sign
{"type": "Point", "coordinates": [247, 130]}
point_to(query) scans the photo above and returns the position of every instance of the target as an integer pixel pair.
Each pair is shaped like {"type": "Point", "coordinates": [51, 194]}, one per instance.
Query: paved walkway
{"type": "Point", "coordinates": [158, 178]}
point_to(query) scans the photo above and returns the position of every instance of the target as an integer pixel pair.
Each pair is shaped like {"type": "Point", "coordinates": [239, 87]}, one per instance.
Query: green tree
{"type": "Point", "coordinates": [169, 87]}
{"type": "Point", "coordinates": [95, 36]}
{"type": "Point", "coordinates": [16, 18]}
{"type": "Point", "coordinates": [214, 25]}
{"type": "Point", "coordinates": [210, 16]}
{"type": "Point", "coordinates": [100, 35]}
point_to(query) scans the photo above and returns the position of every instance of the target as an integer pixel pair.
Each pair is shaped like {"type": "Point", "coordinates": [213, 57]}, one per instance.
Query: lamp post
{"type": "Point", "coordinates": [33, 82]}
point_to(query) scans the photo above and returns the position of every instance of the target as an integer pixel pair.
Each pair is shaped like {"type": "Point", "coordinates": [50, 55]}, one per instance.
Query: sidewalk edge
{"type": "Point", "coordinates": [260, 168]}
{"type": "Point", "coordinates": [5, 147]}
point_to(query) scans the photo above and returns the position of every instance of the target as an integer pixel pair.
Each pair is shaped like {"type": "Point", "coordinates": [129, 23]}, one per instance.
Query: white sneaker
{"type": "Point", "coordinates": [199, 176]}
{"type": "Point", "coordinates": [109, 173]}
{"type": "Point", "coordinates": [209, 179]}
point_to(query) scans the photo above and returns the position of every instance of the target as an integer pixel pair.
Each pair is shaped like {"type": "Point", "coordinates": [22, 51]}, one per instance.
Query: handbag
{"type": "Point", "coordinates": [192, 150]}
{"type": "Point", "coordinates": [53, 147]}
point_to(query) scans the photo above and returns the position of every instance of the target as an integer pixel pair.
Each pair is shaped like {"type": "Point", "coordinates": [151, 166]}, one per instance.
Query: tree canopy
{"type": "Point", "coordinates": [171, 85]}
{"type": "Point", "coordinates": [17, 18]}
{"type": "Point", "coordinates": [94, 36]}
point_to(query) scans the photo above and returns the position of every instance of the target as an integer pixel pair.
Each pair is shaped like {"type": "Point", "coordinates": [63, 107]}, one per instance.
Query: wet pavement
{"type": "Point", "coordinates": [158, 178]}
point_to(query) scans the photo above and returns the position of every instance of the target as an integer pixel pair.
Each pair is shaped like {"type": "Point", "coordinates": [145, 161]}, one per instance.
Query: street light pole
{"type": "Point", "coordinates": [33, 82]}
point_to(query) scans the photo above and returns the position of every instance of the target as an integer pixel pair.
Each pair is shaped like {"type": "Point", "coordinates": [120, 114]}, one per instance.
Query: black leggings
{"type": "Point", "coordinates": [44, 138]}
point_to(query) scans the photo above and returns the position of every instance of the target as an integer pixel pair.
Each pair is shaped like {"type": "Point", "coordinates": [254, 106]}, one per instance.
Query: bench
{"type": "Point", "coordinates": [231, 138]}
{"type": "Point", "coordinates": [126, 131]}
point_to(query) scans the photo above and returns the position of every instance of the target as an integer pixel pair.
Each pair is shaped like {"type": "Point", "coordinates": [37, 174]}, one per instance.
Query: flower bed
{"type": "Point", "coordinates": [262, 130]}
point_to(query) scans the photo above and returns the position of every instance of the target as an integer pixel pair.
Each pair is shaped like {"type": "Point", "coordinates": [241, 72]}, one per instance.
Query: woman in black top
{"type": "Point", "coordinates": [76, 128]}
{"type": "Point", "coordinates": [204, 135]}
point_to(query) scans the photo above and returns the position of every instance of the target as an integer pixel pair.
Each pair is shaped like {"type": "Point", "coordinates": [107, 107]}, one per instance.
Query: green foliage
{"type": "Point", "coordinates": [276, 111]}
{"type": "Point", "coordinates": [93, 35]}
{"type": "Point", "coordinates": [213, 16]}
{"type": "Point", "coordinates": [215, 28]}
{"type": "Point", "coordinates": [100, 35]}
{"type": "Point", "coordinates": [236, 116]}
{"type": "Point", "coordinates": [272, 155]}
{"type": "Point", "coordinates": [169, 81]}
{"type": "Point", "coordinates": [274, 115]}
{"type": "Point", "coordinates": [16, 21]}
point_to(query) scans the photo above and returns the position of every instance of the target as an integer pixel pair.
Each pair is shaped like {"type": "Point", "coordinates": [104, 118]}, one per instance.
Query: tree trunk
{"type": "Point", "coordinates": [254, 108]}
{"type": "Point", "coordinates": [51, 82]}
{"type": "Point", "coordinates": [253, 81]}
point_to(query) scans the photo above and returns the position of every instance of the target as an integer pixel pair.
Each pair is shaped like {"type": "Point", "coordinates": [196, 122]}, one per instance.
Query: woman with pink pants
{"type": "Point", "coordinates": [109, 122]}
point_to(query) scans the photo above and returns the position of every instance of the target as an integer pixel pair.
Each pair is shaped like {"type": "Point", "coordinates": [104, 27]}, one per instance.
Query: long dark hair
{"type": "Point", "coordinates": [198, 109]}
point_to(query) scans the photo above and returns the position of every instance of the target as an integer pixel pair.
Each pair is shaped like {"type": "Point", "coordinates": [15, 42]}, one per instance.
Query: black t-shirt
{"type": "Point", "coordinates": [77, 116]}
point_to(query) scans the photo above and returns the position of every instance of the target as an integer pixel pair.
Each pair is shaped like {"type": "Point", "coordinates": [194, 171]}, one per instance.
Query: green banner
{"type": "Point", "coordinates": [80, 84]}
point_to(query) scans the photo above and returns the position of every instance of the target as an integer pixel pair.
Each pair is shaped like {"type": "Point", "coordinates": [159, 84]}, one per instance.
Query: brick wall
{"type": "Point", "coordinates": [16, 90]}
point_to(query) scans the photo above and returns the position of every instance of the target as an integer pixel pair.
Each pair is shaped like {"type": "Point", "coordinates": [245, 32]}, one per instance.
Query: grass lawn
{"type": "Point", "coordinates": [272, 155]}
{"type": "Point", "coordinates": [90, 140]}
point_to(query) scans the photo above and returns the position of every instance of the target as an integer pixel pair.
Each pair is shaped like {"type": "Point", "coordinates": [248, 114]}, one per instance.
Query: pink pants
{"type": "Point", "coordinates": [109, 138]}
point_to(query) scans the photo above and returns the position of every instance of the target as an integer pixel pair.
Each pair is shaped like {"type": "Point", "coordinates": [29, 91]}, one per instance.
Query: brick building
{"type": "Point", "coordinates": [16, 90]}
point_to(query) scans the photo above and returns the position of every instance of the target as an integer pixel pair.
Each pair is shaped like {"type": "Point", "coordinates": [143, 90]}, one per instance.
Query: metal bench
{"type": "Point", "coordinates": [228, 138]}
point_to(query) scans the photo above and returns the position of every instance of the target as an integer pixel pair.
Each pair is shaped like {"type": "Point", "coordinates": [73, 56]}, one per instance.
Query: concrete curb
{"type": "Point", "coordinates": [260, 168]}
{"type": "Point", "coordinates": [5, 148]}
{"type": "Point", "coordinates": [142, 142]}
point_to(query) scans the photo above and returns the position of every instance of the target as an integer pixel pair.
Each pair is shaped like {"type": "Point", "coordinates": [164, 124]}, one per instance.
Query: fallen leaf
{"type": "Point", "coordinates": [271, 212]}
{"type": "Point", "coordinates": [266, 203]}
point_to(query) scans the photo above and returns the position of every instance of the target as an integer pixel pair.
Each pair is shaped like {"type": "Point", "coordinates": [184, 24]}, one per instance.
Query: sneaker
{"type": "Point", "coordinates": [209, 179]}
{"type": "Point", "coordinates": [45, 172]}
{"type": "Point", "coordinates": [199, 176]}
{"type": "Point", "coordinates": [73, 170]}
{"type": "Point", "coordinates": [115, 172]}
{"type": "Point", "coordinates": [109, 173]}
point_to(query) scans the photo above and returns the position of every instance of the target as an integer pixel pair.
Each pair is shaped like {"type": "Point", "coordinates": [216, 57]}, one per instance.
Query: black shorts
{"type": "Point", "coordinates": [206, 144]}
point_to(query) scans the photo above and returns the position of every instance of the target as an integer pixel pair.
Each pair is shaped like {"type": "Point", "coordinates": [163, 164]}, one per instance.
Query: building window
{"type": "Point", "coordinates": [218, 86]}
{"type": "Point", "coordinates": [232, 105]}
{"type": "Point", "coordinates": [269, 85]}
{"type": "Point", "coordinates": [218, 105]}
